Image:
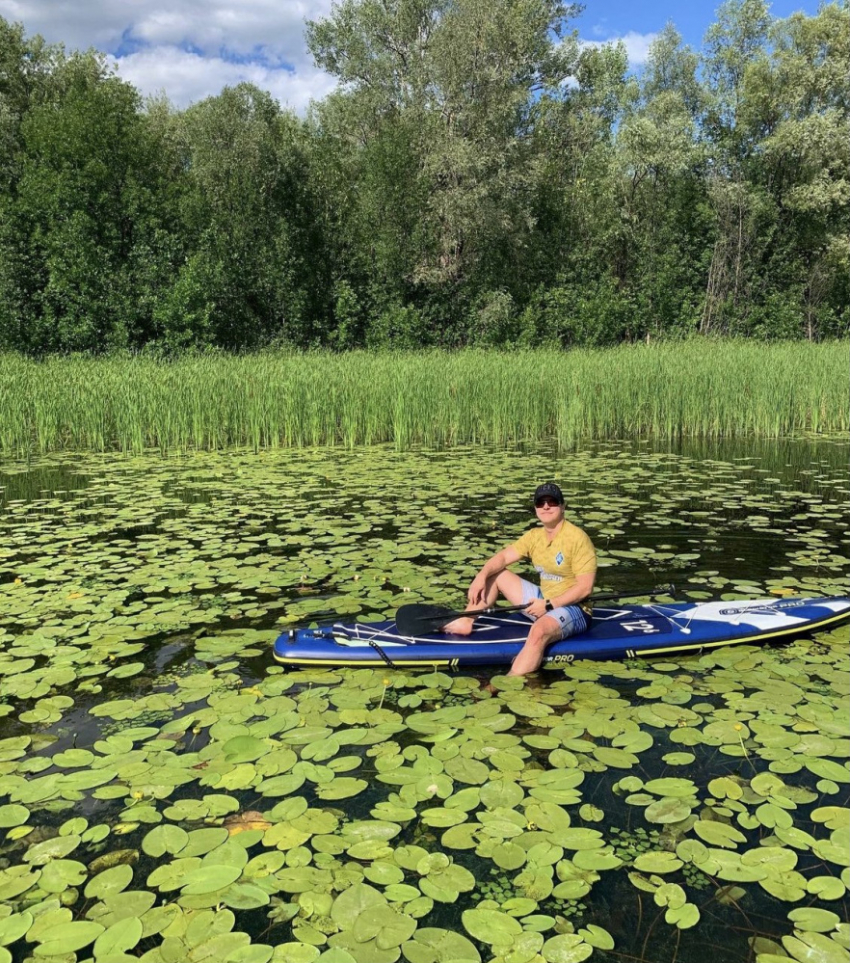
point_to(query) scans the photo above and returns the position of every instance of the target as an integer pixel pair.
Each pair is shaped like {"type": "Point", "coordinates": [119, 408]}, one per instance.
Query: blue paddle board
{"type": "Point", "coordinates": [616, 632]}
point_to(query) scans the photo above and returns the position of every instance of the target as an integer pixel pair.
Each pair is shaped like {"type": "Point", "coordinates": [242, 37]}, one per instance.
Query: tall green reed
{"type": "Point", "coordinates": [433, 398]}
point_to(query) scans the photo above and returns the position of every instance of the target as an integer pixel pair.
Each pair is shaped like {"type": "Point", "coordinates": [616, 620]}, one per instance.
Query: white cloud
{"type": "Point", "coordinates": [188, 77]}
{"type": "Point", "coordinates": [189, 48]}
{"type": "Point", "coordinates": [193, 48]}
{"type": "Point", "coordinates": [636, 44]}
{"type": "Point", "coordinates": [243, 27]}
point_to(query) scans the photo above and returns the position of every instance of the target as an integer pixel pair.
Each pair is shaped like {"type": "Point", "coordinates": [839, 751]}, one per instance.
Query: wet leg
{"type": "Point", "coordinates": [543, 633]}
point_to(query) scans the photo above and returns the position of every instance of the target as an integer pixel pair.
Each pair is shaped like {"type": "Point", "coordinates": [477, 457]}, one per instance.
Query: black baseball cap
{"type": "Point", "coordinates": [549, 490]}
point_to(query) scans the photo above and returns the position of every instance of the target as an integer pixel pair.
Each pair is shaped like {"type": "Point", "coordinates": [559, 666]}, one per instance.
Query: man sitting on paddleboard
{"type": "Point", "coordinates": [566, 560]}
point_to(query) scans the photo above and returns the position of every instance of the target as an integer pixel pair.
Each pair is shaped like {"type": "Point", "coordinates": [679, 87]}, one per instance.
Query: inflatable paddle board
{"type": "Point", "coordinates": [616, 632]}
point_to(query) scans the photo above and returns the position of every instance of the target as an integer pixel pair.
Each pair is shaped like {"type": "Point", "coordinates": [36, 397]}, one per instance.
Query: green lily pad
{"type": "Point", "coordinates": [678, 758]}
{"type": "Point", "coordinates": [343, 787]}
{"type": "Point", "coordinates": [813, 919]}
{"type": "Point", "coordinates": [814, 946]}
{"type": "Point", "coordinates": [667, 810]}
{"type": "Point", "coordinates": [828, 769]}
{"type": "Point", "coordinates": [719, 834]}
{"type": "Point", "coordinates": [121, 937]}
{"type": "Point", "coordinates": [670, 786]}
{"type": "Point", "coordinates": [616, 758]}
{"type": "Point", "coordinates": [112, 880]}
{"type": "Point", "coordinates": [383, 924]}
{"type": "Point", "coordinates": [683, 917]}
{"type": "Point", "coordinates": [15, 926]}
{"type": "Point", "coordinates": [578, 838]}
{"type": "Point", "coordinates": [435, 945]}
{"type": "Point", "coordinates": [210, 879]}
{"type": "Point", "coordinates": [597, 937]}
{"type": "Point", "coordinates": [13, 815]}
{"type": "Point", "coordinates": [442, 818]}
{"type": "Point", "coordinates": [56, 848]}
{"type": "Point", "coordinates": [826, 887]}
{"type": "Point", "coordinates": [490, 926]}
{"type": "Point", "coordinates": [566, 948]}
{"type": "Point", "coordinates": [353, 901]}
{"type": "Point", "coordinates": [657, 862]}
{"type": "Point", "coordinates": [165, 839]}
{"type": "Point", "coordinates": [68, 938]}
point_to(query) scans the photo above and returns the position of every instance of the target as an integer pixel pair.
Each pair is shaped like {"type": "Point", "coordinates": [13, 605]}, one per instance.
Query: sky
{"type": "Point", "coordinates": [190, 49]}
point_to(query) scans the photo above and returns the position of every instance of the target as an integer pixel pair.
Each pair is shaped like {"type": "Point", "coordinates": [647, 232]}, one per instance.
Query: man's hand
{"type": "Point", "coordinates": [477, 594]}
{"type": "Point", "coordinates": [535, 609]}
{"type": "Point", "coordinates": [477, 590]}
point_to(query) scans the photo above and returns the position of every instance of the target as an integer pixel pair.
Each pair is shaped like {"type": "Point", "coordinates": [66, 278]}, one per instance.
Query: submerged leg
{"type": "Point", "coordinates": [543, 633]}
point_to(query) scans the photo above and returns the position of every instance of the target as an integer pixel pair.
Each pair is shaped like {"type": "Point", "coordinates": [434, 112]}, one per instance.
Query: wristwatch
{"type": "Point", "coordinates": [549, 605]}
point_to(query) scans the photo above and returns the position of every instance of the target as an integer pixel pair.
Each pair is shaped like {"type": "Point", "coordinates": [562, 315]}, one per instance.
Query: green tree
{"type": "Point", "coordinates": [76, 208]}
{"type": "Point", "coordinates": [478, 176]}
{"type": "Point", "coordinates": [26, 65]}
{"type": "Point", "coordinates": [779, 148]}
{"type": "Point", "coordinates": [733, 44]}
{"type": "Point", "coordinates": [580, 254]}
{"type": "Point", "coordinates": [248, 272]}
{"type": "Point", "coordinates": [444, 91]}
{"type": "Point", "coordinates": [659, 166]}
{"type": "Point", "coordinates": [799, 100]}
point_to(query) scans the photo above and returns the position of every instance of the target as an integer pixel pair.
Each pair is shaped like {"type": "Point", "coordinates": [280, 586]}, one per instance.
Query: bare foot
{"type": "Point", "coordinates": [459, 626]}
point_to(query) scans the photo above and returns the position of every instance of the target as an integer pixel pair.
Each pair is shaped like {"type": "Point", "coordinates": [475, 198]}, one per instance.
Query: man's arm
{"type": "Point", "coordinates": [576, 593]}
{"type": "Point", "coordinates": [491, 568]}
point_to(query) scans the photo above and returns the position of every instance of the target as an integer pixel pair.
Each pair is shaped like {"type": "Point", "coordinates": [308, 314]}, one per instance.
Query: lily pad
{"type": "Point", "coordinates": [491, 926]}
{"type": "Point", "coordinates": [566, 948]}
{"type": "Point", "coordinates": [668, 810]}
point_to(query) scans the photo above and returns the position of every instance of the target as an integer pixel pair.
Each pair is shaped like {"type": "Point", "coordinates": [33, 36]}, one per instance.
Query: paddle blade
{"type": "Point", "coordinates": [416, 619]}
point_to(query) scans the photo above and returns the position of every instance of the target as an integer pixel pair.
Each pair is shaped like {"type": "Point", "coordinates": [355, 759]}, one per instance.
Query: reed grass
{"type": "Point", "coordinates": [431, 398]}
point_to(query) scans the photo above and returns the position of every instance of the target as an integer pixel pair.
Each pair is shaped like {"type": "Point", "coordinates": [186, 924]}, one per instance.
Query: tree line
{"type": "Point", "coordinates": [478, 176]}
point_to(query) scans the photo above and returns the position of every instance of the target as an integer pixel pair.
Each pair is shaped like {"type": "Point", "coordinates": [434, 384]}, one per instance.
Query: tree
{"type": "Point", "coordinates": [80, 185]}
{"type": "Point", "coordinates": [247, 274]}
{"type": "Point", "coordinates": [733, 44]}
{"type": "Point", "coordinates": [447, 90]}
{"type": "Point", "coordinates": [26, 65]}
{"type": "Point", "coordinates": [778, 183]}
{"type": "Point", "coordinates": [478, 176]}
{"type": "Point", "coordinates": [801, 101]}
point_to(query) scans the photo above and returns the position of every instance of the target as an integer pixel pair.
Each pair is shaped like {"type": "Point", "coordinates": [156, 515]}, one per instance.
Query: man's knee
{"type": "Point", "coordinates": [503, 579]}
{"type": "Point", "coordinates": [542, 634]}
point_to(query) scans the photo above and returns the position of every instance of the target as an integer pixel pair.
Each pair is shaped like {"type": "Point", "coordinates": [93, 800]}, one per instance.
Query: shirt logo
{"type": "Point", "coordinates": [559, 558]}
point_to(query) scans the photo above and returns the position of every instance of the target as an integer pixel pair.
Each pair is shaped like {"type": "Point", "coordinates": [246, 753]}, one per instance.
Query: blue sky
{"type": "Point", "coordinates": [603, 19]}
{"type": "Point", "coordinates": [190, 49]}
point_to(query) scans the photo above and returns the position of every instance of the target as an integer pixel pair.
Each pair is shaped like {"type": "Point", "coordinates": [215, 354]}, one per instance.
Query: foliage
{"type": "Point", "coordinates": [477, 177]}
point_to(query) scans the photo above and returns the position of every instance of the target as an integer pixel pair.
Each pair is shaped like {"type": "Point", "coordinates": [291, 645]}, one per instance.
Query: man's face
{"type": "Point", "coordinates": [548, 509]}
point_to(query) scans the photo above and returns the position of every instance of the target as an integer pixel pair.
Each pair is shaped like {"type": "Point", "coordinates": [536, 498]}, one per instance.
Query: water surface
{"type": "Point", "coordinates": [139, 598]}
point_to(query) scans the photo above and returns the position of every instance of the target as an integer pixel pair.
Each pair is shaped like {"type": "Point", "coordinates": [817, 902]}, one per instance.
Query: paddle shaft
{"type": "Point", "coordinates": [605, 597]}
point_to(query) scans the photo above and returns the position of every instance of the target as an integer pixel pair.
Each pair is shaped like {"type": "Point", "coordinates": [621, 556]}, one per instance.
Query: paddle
{"type": "Point", "coordinates": [419, 619]}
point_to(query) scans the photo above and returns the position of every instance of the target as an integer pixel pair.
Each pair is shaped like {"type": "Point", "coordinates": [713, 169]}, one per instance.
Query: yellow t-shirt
{"type": "Point", "coordinates": [569, 554]}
